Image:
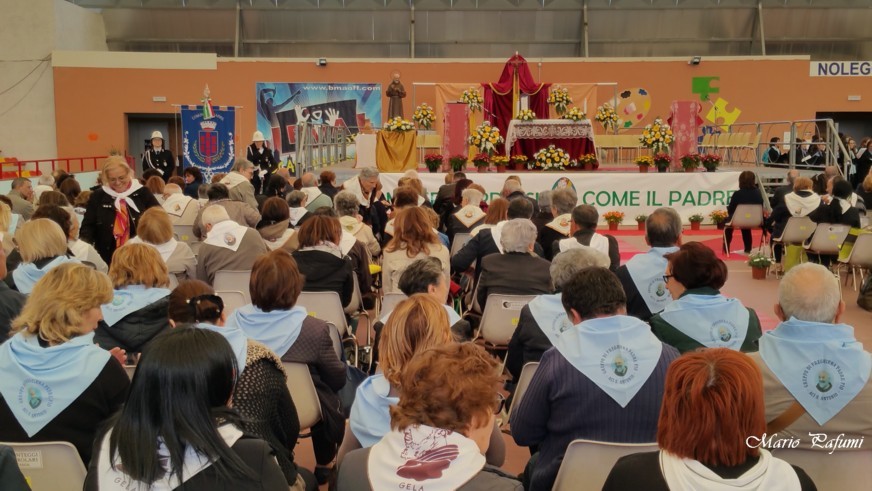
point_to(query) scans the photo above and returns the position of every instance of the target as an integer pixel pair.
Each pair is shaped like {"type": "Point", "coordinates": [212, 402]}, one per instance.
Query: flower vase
{"type": "Point", "coordinates": [641, 226]}
{"type": "Point", "coordinates": [482, 168]}
{"type": "Point", "coordinates": [587, 166]}
{"type": "Point", "coordinates": [519, 166]}
{"type": "Point", "coordinates": [694, 225]}
{"type": "Point", "coordinates": [501, 169]}
{"type": "Point", "coordinates": [759, 273]}
{"type": "Point", "coordinates": [662, 169]}
{"type": "Point", "coordinates": [690, 169]}
{"type": "Point", "coordinates": [643, 169]}
{"type": "Point", "coordinates": [613, 225]}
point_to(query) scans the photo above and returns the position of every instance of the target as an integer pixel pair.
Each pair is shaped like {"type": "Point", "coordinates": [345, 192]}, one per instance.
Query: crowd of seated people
{"type": "Point", "coordinates": [617, 341]}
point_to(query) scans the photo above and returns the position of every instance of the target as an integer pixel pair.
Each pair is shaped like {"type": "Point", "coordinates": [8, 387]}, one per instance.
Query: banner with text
{"type": "Point", "coordinates": [280, 106]}
{"type": "Point", "coordinates": [208, 143]}
{"type": "Point", "coordinates": [634, 194]}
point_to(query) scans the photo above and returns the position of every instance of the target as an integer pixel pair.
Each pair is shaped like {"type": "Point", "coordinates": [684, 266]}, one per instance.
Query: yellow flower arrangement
{"type": "Point", "coordinates": [519, 158]}
{"type": "Point", "coordinates": [526, 115]}
{"type": "Point", "coordinates": [399, 124]}
{"type": "Point", "coordinates": [486, 137]}
{"type": "Point", "coordinates": [473, 98]}
{"type": "Point", "coordinates": [657, 136]}
{"type": "Point", "coordinates": [499, 160]}
{"type": "Point", "coordinates": [559, 98]}
{"type": "Point", "coordinates": [607, 116]}
{"type": "Point", "coordinates": [551, 158]}
{"type": "Point", "coordinates": [645, 160]}
{"type": "Point", "coordinates": [575, 114]}
{"type": "Point", "coordinates": [424, 116]}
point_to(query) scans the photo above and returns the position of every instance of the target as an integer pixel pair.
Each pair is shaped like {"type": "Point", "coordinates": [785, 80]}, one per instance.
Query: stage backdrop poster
{"type": "Point", "coordinates": [208, 143]}
{"type": "Point", "coordinates": [280, 106]}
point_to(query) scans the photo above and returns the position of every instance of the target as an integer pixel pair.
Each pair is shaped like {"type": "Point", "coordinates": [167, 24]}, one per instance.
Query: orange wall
{"type": "Point", "coordinates": [91, 103]}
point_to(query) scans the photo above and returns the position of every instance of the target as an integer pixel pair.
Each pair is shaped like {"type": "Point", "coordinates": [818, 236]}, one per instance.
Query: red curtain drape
{"type": "Point", "coordinates": [498, 96]}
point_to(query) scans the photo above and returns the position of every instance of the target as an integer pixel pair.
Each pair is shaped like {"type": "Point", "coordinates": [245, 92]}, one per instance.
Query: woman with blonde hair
{"type": "Point", "coordinates": [113, 210]}
{"type": "Point", "coordinates": [156, 230]}
{"type": "Point", "coordinates": [70, 386]}
{"type": "Point", "coordinates": [441, 427]}
{"type": "Point", "coordinates": [414, 238]}
{"type": "Point", "coordinates": [138, 309]}
{"type": "Point", "coordinates": [42, 246]}
{"type": "Point", "coordinates": [7, 222]}
{"type": "Point", "coordinates": [156, 185]}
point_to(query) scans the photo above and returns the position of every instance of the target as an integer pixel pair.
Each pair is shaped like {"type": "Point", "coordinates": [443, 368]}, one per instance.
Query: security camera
{"type": "Point", "coordinates": [321, 62]}
{"type": "Point", "coordinates": [695, 60]}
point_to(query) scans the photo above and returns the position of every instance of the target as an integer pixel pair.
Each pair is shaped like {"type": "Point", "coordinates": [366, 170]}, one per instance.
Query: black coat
{"type": "Point", "coordinates": [100, 219]}
{"type": "Point", "coordinates": [162, 161]}
{"type": "Point", "coordinates": [264, 163]}
{"type": "Point", "coordinates": [476, 249]}
{"type": "Point", "coordinates": [325, 272]}
{"type": "Point", "coordinates": [133, 332]}
{"type": "Point", "coordinates": [513, 273]}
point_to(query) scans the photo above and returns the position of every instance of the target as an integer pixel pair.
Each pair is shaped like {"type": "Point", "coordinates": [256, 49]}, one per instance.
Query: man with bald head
{"type": "Point", "coordinates": [642, 275]}
{"type": "Point", "coordinates": [182, 209]}
{"type": "Point", "coordinates": [816, 375]}
{"type": "Point", "coordinates": [315, 198]}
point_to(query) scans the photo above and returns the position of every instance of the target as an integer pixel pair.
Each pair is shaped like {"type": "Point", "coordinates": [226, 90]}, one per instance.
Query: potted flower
{"type": "Point", "coordinates": [719, 217]}
{"type": "Point", "coordinates": [690, 162]}
{"type": "Point", "coordinates": [645, 162]}
{"type": "Point", "coordinates": [613, 218]}
{"type": "Point", "coordinates": [486, 138]}
{"type": "Point", "coordinates": [759, 266]}
{"type": "Point", "coordinates": [662, 161]}
{"type": "Point", "coordinates": [481, 161]}
{"type": "Point", "coordinates": [399, 125]}
{"type": "Point", "coordinates": [519, 162]}
{"type": "Point", "coordinates": [711, 161]}
{"type": "Point", "coordinates": [458, 162]}
{"type": "Point", "coordinates": [695, 221]}
{"type": "Point", "coordinates": [588, 161]}
{"type": "Point", "coordinates": [433, 162]}
{"type": "Point", "coordinates": [640, 221]}
{"type": "Point", "coordinates": [500, 162]}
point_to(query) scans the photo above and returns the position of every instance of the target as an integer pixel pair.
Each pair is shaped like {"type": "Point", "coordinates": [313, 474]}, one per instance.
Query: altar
{"type": "Point", "coordinates": [528, 137]}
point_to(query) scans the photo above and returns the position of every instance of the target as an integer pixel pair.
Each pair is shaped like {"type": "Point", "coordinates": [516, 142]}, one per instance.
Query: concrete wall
{"type": "Point", "coordinates": [31, 30]}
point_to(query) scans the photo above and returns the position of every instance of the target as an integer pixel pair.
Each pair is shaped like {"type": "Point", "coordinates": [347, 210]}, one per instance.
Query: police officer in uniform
{"type": "Point", "coordinates": [262, 157]}
{"type": "Point", "coordinates": [159, 158]}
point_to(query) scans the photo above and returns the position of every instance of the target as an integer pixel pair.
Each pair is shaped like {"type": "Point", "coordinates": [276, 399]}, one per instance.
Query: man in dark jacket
{"type": "Point", "coordinates": [517, 271]}
{"type": "Point", "coordinates": [583, 233]}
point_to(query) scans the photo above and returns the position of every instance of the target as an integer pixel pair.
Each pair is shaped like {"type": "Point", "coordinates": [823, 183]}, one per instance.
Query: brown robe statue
{"type": "Point", "coordinates": [396, 92]}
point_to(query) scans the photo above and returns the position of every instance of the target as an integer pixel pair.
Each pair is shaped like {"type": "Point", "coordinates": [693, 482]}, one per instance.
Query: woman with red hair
{"type": "Point", "coordinates": [709, 431]}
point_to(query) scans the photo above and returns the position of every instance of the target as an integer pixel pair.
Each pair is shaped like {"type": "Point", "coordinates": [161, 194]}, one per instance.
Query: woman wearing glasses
{"type": "Point", "coordinates": [700, 316]}
{"type": "Point", "coordinates": [440, 428]}
{"type": "Point", "coordinates": [114, 209]}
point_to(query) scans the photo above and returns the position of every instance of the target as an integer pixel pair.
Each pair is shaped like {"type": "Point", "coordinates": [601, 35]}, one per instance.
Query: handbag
{"type": "Point", "coordinates": [353, 378]}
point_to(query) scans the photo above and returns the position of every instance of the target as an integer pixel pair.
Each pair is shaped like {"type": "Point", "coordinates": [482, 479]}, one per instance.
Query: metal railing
{"type": "Point", "coordinates": [11, 168]}
{"type": "Point", "coordinates": [319, 145]}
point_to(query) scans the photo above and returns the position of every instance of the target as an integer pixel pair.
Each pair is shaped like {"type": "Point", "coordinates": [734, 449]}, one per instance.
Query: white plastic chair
{"type": "Point", "coordinates": [844, 469]}
{"type": "Point", "coordinates": [523, 383]}
{"type": "Point", "coordinates": [460, 240]}
{"type": "Point", "coordinates": [327, 306]}
{"type": "Point", "coordinates": [302, 389]}
{"type": "Point", "coordinates": [827, 239]}
{"type": "Point", "coordinates": [233, 281]}
{"type": "Point", "coordinates": [499, 321]}
{"type": "Point", "coordinates": [185, 233]}
{"type": "Point", "coordinates": [391, 300]}
{"type": "Point", "coordinates": [587, 463]}
{"type": "Point", "coordinates": [746, 217]}
{"type": "Point", "coordinates": [50, 466]}
{"type": "Point", "coordinates": [860, 257]}
{"type": "Point", "coordinates": [795, 233]}
{"type": "Point", "coordinates": [233, 299]}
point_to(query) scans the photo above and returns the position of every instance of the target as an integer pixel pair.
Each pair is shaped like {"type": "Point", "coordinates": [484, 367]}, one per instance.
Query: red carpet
{"type": "Point", "coordinates": [714, 241]}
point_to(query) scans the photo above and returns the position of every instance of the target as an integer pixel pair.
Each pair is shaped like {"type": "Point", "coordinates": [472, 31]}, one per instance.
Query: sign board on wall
{"type": "Point", "coordinates": [840, 69]}
{"type": "Point", "coordinates": [631, 193]}
{"type": "Point", "coordinates": [280, 106]}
